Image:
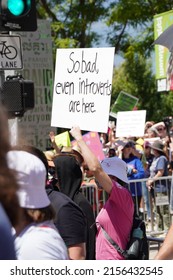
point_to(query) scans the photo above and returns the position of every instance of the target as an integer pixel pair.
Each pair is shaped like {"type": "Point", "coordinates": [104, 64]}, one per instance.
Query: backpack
{"type": "Point", "coordinates": [137, 247]}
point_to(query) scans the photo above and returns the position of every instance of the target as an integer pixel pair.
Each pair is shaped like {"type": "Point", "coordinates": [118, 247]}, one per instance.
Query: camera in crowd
{"type": "Point", "coordinates": [168, 121]}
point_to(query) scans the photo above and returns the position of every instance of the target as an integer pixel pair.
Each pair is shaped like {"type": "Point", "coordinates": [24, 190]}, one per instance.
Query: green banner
{"type": "Point", "coordinates": [161, 22]}
{"type": "Point", "coordinates": [124, 102]}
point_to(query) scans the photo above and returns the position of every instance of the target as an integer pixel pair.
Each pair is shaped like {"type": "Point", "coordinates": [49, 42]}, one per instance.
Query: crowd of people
{"type": "Point", "coordinates": [44, 214]}
{"type": "Point", "coordinates": [147, 157]}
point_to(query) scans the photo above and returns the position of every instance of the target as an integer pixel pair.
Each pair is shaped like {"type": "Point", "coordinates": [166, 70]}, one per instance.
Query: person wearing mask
{"type": "Point", "coordinates": [116, 216]}
{"type": "Point", "coordinates": [70, 177]}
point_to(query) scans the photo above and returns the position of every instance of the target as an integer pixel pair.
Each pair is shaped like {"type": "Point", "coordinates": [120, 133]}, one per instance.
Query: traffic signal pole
{"type": "Point", "coordinates": [17, 15]}
{"type": "Point", "coordinates": [12, 123]}
{"type": "Point", "coordinates": [2, 77]}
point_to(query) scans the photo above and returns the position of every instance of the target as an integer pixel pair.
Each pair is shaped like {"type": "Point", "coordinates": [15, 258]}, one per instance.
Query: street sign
{"type": "Point", "coordinates": [10, 53]}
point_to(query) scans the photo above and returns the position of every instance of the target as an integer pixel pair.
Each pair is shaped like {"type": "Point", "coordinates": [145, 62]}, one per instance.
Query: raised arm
{"type": "Point", "coordinates": [91, 160]}
{"type": "Point", "coordinates": [54, 145]}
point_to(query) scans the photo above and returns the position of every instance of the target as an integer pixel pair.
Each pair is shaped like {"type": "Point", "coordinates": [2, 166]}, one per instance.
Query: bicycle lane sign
{"type": "Point", "coordinates": [10, 53]}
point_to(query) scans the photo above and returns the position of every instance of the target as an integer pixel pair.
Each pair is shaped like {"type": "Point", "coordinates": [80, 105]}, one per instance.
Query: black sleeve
{"type": "Point", "coordinates": [71, 224]}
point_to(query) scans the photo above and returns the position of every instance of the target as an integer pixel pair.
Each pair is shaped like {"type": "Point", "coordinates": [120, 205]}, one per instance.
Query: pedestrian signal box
{"type": "Point", "coordinates": [17, 95]}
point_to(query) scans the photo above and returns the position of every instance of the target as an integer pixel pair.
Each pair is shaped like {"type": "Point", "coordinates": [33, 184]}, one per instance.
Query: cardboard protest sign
{"type": "Point", "coordinates": [82, 88]}
{"type": "Point", "coordinates": [63, 139]}
{"type": "Point", "coordinates": [130, 123]}
{"type": "Point", "coordinates": [124, 102]}
{"type": "Point", "coordinates": [93, 141]}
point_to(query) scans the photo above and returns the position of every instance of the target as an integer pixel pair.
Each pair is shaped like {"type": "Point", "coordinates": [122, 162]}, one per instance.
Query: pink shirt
{"type": "Point", "coordinates": [116, 217]}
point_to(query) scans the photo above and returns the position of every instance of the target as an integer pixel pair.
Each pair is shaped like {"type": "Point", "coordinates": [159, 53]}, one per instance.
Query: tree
{"type": "Point", "coordinates": [132, 34]}
{"type": "Point", "coordinates": [71, 21]}
{"type": "Point", "coordinates": [135, 77]}
{"type": "Point", "coordinates": [130, 31]}
{"type": "Point", "coordinates": [131, 21]}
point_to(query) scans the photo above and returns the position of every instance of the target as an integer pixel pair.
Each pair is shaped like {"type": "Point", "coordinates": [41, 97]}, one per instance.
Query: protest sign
{"type": "Point", "coordinates": [124, 102]}
{"type": "Point", "coordinates": [130, 123]}
{"type": "Point", "coordinates": [82, 88]}
{"type": "Point", "coordinates": [93, 141]}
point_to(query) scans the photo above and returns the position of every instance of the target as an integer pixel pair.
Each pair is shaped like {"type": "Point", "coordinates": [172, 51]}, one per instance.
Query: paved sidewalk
{"type": "Point", "coordinates": [154, 245]}
{"type": "Point", "coordinates": [153, 251]}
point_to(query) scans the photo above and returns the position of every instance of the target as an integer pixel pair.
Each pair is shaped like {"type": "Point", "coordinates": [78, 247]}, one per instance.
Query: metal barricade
{"type": "Point", "coordinates": [156, 205]}
{"type": "Point", "coordinates": [154, 245]}
{"type": "Point", "coordinates": [91, 193]}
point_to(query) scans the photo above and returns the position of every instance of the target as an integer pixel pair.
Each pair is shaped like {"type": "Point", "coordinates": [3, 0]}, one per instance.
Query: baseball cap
{"type": "Point", "coordinates": [31, 177]}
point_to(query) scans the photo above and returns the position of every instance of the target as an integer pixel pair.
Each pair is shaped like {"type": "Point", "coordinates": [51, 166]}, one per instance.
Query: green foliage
{"type": "Point", "coordinates": [135, 77]}
{"type": "Point", "coordinates": [130, 31]}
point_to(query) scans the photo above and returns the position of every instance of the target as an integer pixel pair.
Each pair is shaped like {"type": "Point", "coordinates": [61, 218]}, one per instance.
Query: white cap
{"type": "Point", "coordinates": [116, 167]}
{"type": "Point", "coordinates": [31, 177]}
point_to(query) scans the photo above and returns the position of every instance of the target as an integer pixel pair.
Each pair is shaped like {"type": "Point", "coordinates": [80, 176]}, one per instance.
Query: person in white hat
{"type": "Point", "coordinates": [36, 236]}
{"type": "Point", "coordinates": [116, 217]}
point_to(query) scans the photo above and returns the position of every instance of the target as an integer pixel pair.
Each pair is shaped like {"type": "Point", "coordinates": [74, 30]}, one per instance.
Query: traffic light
{"type": "Point", "coordinates": [17, 95]}
{"type": "Point", "coordinates": [18, 15]}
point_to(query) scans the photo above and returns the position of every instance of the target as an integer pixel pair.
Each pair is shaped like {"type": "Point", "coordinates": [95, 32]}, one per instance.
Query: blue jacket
{"type": "Point", "coordinates": [135, 163]}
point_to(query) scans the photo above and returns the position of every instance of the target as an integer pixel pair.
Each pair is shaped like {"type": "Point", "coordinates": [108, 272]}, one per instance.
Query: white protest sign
{"type": "Point", "coordinates": [130, 123]}
{"type": "Point", "coordinates": [82, 88]}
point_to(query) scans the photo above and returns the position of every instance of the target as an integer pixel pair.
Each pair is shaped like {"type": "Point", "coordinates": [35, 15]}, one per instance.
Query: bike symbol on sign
{"type": "Point", "coordinates": [8, 51]}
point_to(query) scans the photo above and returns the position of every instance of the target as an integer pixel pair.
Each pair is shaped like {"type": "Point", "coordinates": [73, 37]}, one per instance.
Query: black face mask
{"type": "Point", "coordinates": [69, 175]}
{"type": "Point", "coordinates": [51, 171]}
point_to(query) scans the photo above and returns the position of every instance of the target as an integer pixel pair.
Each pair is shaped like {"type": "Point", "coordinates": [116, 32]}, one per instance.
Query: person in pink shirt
{"type": "Point", "coordinates": [116, 216]}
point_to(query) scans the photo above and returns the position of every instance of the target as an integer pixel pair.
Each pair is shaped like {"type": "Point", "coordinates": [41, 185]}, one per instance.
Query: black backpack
{"type": "Point", "coordinates": [137, 247]}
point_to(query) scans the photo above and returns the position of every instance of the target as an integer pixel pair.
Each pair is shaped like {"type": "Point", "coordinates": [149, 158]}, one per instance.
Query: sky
{"type": "Point", "coordinates": [102, 29]}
